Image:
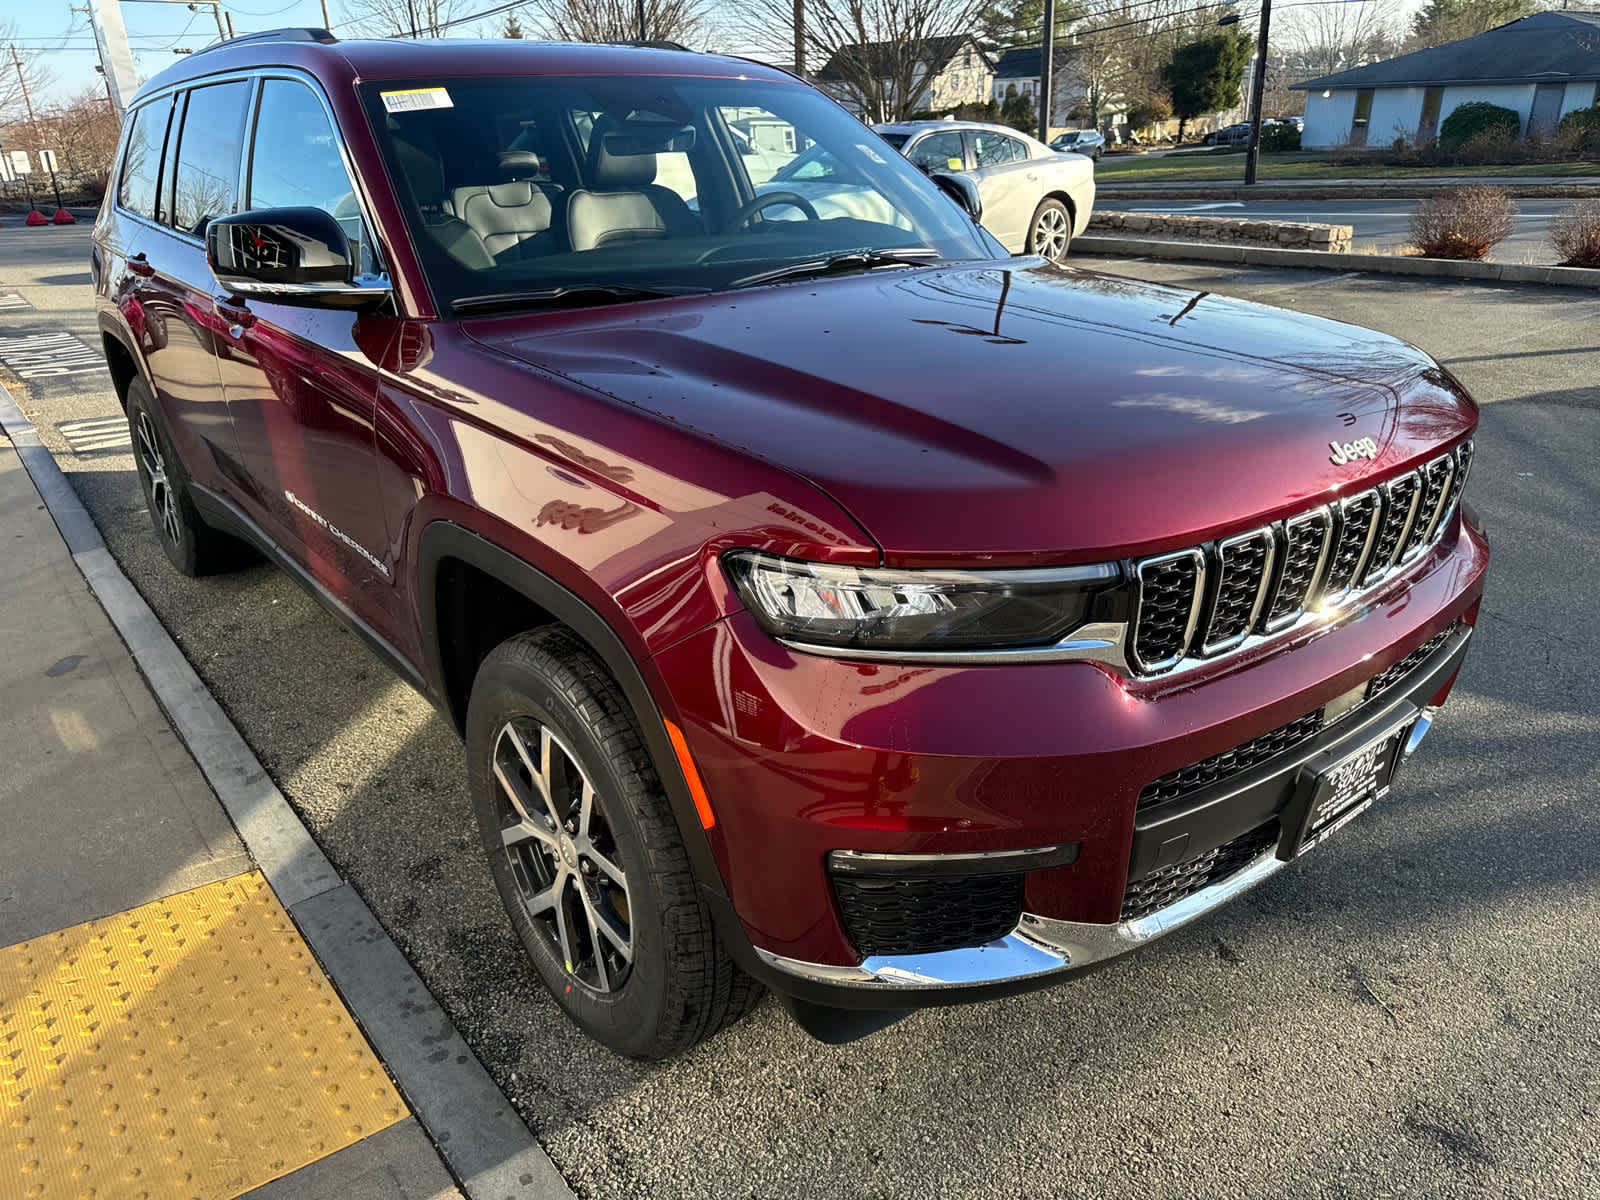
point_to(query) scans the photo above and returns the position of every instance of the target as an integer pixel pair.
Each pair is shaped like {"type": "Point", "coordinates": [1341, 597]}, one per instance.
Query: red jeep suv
{"type": "Point", "coordinates": [828, 602]}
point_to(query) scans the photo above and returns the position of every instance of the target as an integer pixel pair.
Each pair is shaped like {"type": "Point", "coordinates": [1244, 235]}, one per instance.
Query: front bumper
{"type": "Point", "coordinates": [1041, 948]}
{"type": "Point", "coordinates": [805, 756]}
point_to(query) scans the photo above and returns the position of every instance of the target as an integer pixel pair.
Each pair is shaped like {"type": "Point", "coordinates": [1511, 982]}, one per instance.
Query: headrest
{"type": "Point", "coordinates": [519, 160]}
{"type": "Point", "coordinates": [424, 172]}
{"type": "Point", "coordinates": [616, 161]}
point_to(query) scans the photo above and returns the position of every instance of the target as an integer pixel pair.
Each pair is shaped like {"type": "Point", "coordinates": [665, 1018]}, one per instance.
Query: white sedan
{"type": "Point", "coordinates": [1035, 199]}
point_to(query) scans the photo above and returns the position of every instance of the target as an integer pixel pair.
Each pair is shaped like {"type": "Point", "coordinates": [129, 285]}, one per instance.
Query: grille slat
{"type": "Point", "coordinates": [1242, 564]}
{"type": "Point", "coordinates": [897, 915]}
{"type": "Point", "coordinates": [1305, 540]}
{"type": "Point", "coordinates": [1168, 885]}
{"type": "Point", "coordinates": [1399, 504]}
{"type": "Point", "coordinates": [1168, 590]}
{"type": "Point", "coordinates": [1268, 578]}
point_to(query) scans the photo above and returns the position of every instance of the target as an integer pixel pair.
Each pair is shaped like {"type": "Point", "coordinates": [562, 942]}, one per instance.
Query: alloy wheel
{"type": "Point", "coordinates": [155, 471]}
{"type": "Point", "coordinates": [1050, 234]}
{"type": "Point", "coordinates": [563, 854]}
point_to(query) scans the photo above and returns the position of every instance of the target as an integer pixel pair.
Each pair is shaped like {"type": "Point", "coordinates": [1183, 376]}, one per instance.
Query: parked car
{"type": "Point", "coordinates": [1088, 142]}
{"type": "Point", "coordinates": [1034, 200]}
{"type": "Point", "coordinates": [836, 604]}
{"type": "Point", "coordinates": [1229, 135]}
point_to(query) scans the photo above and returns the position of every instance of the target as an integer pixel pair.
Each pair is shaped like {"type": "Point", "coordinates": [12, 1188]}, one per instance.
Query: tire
{"type": "Point", "coordinates": [192, 546]}
{"type": "Point", "coordinates": [627, 948]}
{"type": "Point", "coordinates": [1050, 230]}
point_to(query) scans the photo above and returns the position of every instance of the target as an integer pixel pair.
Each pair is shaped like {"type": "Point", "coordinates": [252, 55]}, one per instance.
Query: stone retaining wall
{"type": "Point", "coordinates": [1293, 235]}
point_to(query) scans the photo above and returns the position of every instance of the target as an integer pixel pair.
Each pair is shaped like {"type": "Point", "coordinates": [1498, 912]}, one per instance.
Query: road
{"type": "Point", "coordinates": [1411, 1010]}
{"type": "Point", "coordinates": [1378, 224]}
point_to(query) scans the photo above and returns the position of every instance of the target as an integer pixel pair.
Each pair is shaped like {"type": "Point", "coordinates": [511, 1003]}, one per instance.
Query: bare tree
{"type": "Point", "coordinates": [882, 58]}
{"type": "Point", "coordinates": [681, 21]}
{"type": "Point", "coordinates": [83, 133]}
{"type": "Point", "coordinates": [1322, 39]}
{"type": "Point", "coordinates": [399, 18]}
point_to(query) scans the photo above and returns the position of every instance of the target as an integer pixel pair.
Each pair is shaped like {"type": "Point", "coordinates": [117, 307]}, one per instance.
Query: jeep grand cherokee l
{"type": "Point", "coordinates": [829, 603]}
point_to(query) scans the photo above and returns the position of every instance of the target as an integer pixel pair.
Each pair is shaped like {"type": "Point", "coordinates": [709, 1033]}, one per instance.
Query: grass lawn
{"type": "Point", "coordinates": [1215, 167]}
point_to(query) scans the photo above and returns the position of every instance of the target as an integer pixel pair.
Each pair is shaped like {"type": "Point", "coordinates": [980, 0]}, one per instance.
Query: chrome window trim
{"type": "Point", "coordinates": [1324, 513]}
{"type": "Point", "coordinates": [1208, 649]}
{"type": "Point", "coordinates": [1195, 604]}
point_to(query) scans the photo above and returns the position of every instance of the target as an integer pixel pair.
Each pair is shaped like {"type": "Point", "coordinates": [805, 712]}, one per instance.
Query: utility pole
{"type": "Point", "coordinates": [800, 38]}
{"type": "Point", "coordinates": [38, 137]}
{"type": "Point", "coordinates": [1258, 87]}
{"type": "Point", "coordinates": [641, 21]}
{"type": "Point", "coordinates": [231, 34]}
{"type": "Point", "coordinates": [1047, 56]}
{"type": "Point", "coordinates": [326, 23]}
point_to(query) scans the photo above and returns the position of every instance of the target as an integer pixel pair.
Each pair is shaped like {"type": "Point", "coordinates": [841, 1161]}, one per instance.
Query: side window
{"type": "Point", "coordinates": [993, 149]}
{"type": "Point", "coordinates": [141, 166]}
{"type": "Point", "coordinates": [939, 152]}
{"type": "Point", "coordinates": [207, 173]}
{"type": "Point", "coordinates": [295, 163]}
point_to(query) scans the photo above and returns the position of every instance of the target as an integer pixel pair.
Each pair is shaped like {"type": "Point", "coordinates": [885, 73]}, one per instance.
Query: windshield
{"type": "Point", "coordinates": [619, 187]}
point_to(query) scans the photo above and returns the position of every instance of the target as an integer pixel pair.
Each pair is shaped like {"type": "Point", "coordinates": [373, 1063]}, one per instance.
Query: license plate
{"type": "Point", "coordinates": [1333, 791]}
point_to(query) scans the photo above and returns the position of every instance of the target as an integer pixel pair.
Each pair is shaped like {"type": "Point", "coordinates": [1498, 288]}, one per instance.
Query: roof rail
{"type": "Point", "coordinates": [652, 44]}
{"type": "Point", "coordinates": [290, 33]}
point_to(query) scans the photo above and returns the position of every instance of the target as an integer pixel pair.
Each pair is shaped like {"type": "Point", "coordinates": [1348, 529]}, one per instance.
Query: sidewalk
{"type": "Point", "coordinates": [165, 1031]}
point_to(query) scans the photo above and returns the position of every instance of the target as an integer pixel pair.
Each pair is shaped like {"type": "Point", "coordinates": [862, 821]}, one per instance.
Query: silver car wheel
{"type": "Point", "coordinates": [1051, 233]}
{"type": "Point", "coordinates": [155, 471]}
{"type": "Point", "coordinates": [563, 854]}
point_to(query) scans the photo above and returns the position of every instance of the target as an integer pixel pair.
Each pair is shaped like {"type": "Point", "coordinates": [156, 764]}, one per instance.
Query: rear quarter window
{"type": "Point", "coordinates": [141, 163]}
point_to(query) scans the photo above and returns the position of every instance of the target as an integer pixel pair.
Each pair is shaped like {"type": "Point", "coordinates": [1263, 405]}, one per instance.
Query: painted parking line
{"type": "Point", "coordinates": [187, 1047]}
{"type": "Point", "coordinates": [43, 355]}
{"type": "Point", "coordinates": [96, 435]}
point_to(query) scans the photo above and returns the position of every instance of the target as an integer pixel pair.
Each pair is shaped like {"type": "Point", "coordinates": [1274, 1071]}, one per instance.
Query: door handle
{"type": "Point", "coordinates": [140, 267]}
{"type": "Point", "coordinates": [234, 312]}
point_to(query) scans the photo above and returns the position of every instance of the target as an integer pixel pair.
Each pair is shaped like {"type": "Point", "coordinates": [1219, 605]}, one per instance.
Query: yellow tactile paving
{"type": "Point", "coordinates": [188, 1048]}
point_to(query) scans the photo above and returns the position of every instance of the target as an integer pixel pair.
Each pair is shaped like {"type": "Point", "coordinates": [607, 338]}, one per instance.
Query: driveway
{"type": "Point", "coordinates": [1411, 1010]}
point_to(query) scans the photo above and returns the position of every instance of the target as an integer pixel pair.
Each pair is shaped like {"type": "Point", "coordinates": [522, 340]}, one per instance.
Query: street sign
{"type": "Point", "coordinates": [47, 159]}
{"type": "Point", "coordinates": [7, 175]}
{"type": "Point", "coordinates": [21, 164]}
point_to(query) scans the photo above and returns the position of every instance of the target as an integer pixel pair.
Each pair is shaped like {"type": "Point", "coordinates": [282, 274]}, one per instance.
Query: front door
{"type": "Point", "coordinates": [301, 381]}
{"type": "Point", "coordinates": [1008, 182]}
{"type": "Point", "coordinates": [1547, 101]}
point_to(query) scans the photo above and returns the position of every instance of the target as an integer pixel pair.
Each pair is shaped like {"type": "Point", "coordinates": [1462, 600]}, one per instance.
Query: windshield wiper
{"type": "Point", "coordinates": [574, 296]}
{"type": "Point", "coordinates": [835, 264]}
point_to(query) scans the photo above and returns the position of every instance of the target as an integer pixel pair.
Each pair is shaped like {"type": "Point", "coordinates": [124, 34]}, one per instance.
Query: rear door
{"type": "Point", "coordinates": [301, 381]}
{"type": "Point", "coordinates": [1008, 183]}
{"type": "Point", "coordinates": [182, 333]}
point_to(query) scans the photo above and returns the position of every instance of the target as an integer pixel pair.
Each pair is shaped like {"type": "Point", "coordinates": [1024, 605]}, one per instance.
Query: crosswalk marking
{"type": "Point", "coordinates": [10, 301]}
{"type": "Point", "coordinates": [94, 434]}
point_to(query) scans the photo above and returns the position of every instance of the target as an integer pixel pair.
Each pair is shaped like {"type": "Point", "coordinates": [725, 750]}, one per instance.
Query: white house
{"type": "Point", "coordinates": [942, 72]}
{"type": "Point", "coordinates": [1542, 67]}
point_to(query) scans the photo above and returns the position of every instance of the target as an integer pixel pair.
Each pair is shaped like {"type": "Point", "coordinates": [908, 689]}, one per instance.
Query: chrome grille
{"type": "Point", "coordinates": [1211, 599]}
{"type": "Point", "coordinates": [1243, 566]}
{"type": "Point", "coordinates": [1399, 507]}
{"type": "Point", "coordinates": [1305, 544]}
{"type": "Point", "coordinates": [1169, 592]}
{"type": "Point", "coordinates": [1358, 519]}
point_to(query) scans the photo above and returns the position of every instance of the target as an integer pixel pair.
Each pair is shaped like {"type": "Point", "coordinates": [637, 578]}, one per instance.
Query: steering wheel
{"type": "Point", "coordinates": [794, 199]}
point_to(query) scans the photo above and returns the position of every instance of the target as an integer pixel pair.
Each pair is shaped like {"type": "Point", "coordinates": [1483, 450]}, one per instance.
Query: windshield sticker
{"type": "Point", "coordinates": [416, 100]}
{"type": "Point", "coordinates": [870, 153]}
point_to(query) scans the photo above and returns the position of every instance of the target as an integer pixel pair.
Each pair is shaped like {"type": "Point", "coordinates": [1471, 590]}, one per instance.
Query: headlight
{"type": "Point", "coordinates": [868, 609]}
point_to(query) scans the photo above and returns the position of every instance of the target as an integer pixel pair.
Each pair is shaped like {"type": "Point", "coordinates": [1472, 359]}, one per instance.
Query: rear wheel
{"type": "Point", "coordinates": [1050, 232]}
{"type": "Point", "coordinates": [586, 855]}
{"type": "Point", "coordinates": [190, 544]}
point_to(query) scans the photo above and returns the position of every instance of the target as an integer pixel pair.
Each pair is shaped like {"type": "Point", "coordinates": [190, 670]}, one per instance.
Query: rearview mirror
{"type": "Point", "coordinates": [287, 255]}
{"type": "Point", "coordinates": [963, 191]}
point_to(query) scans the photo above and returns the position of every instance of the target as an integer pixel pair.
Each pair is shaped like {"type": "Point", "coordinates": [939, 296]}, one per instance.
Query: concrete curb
{"type": "Point", "coordinates": [1378, 264]}
{"type": "Point", "coordinates": [1339, 189]}
{"type": "Point", "coordinates": [468, 1118]}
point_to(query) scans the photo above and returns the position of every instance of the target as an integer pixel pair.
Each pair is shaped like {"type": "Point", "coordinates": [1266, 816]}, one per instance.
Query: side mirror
{"type": "Point", "coordinates": [289, 256]}
{"type": "Point", "coordinates": [962, 190]}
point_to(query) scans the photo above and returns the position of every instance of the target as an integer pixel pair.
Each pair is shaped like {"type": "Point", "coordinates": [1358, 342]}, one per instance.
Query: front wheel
{"type": "Point", "coordinates": [1050, 232]}
{"type": "Point", "coordinates": [586, 855]}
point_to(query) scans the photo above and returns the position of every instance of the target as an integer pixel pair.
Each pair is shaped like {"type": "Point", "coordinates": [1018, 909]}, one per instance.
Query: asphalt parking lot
{"type": "Point", "coordinates": [1412, 1010]}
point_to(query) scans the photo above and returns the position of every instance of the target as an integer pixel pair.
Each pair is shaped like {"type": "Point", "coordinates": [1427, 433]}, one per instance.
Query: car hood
{"type": "Point", "coordinates": [1016, 412]}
